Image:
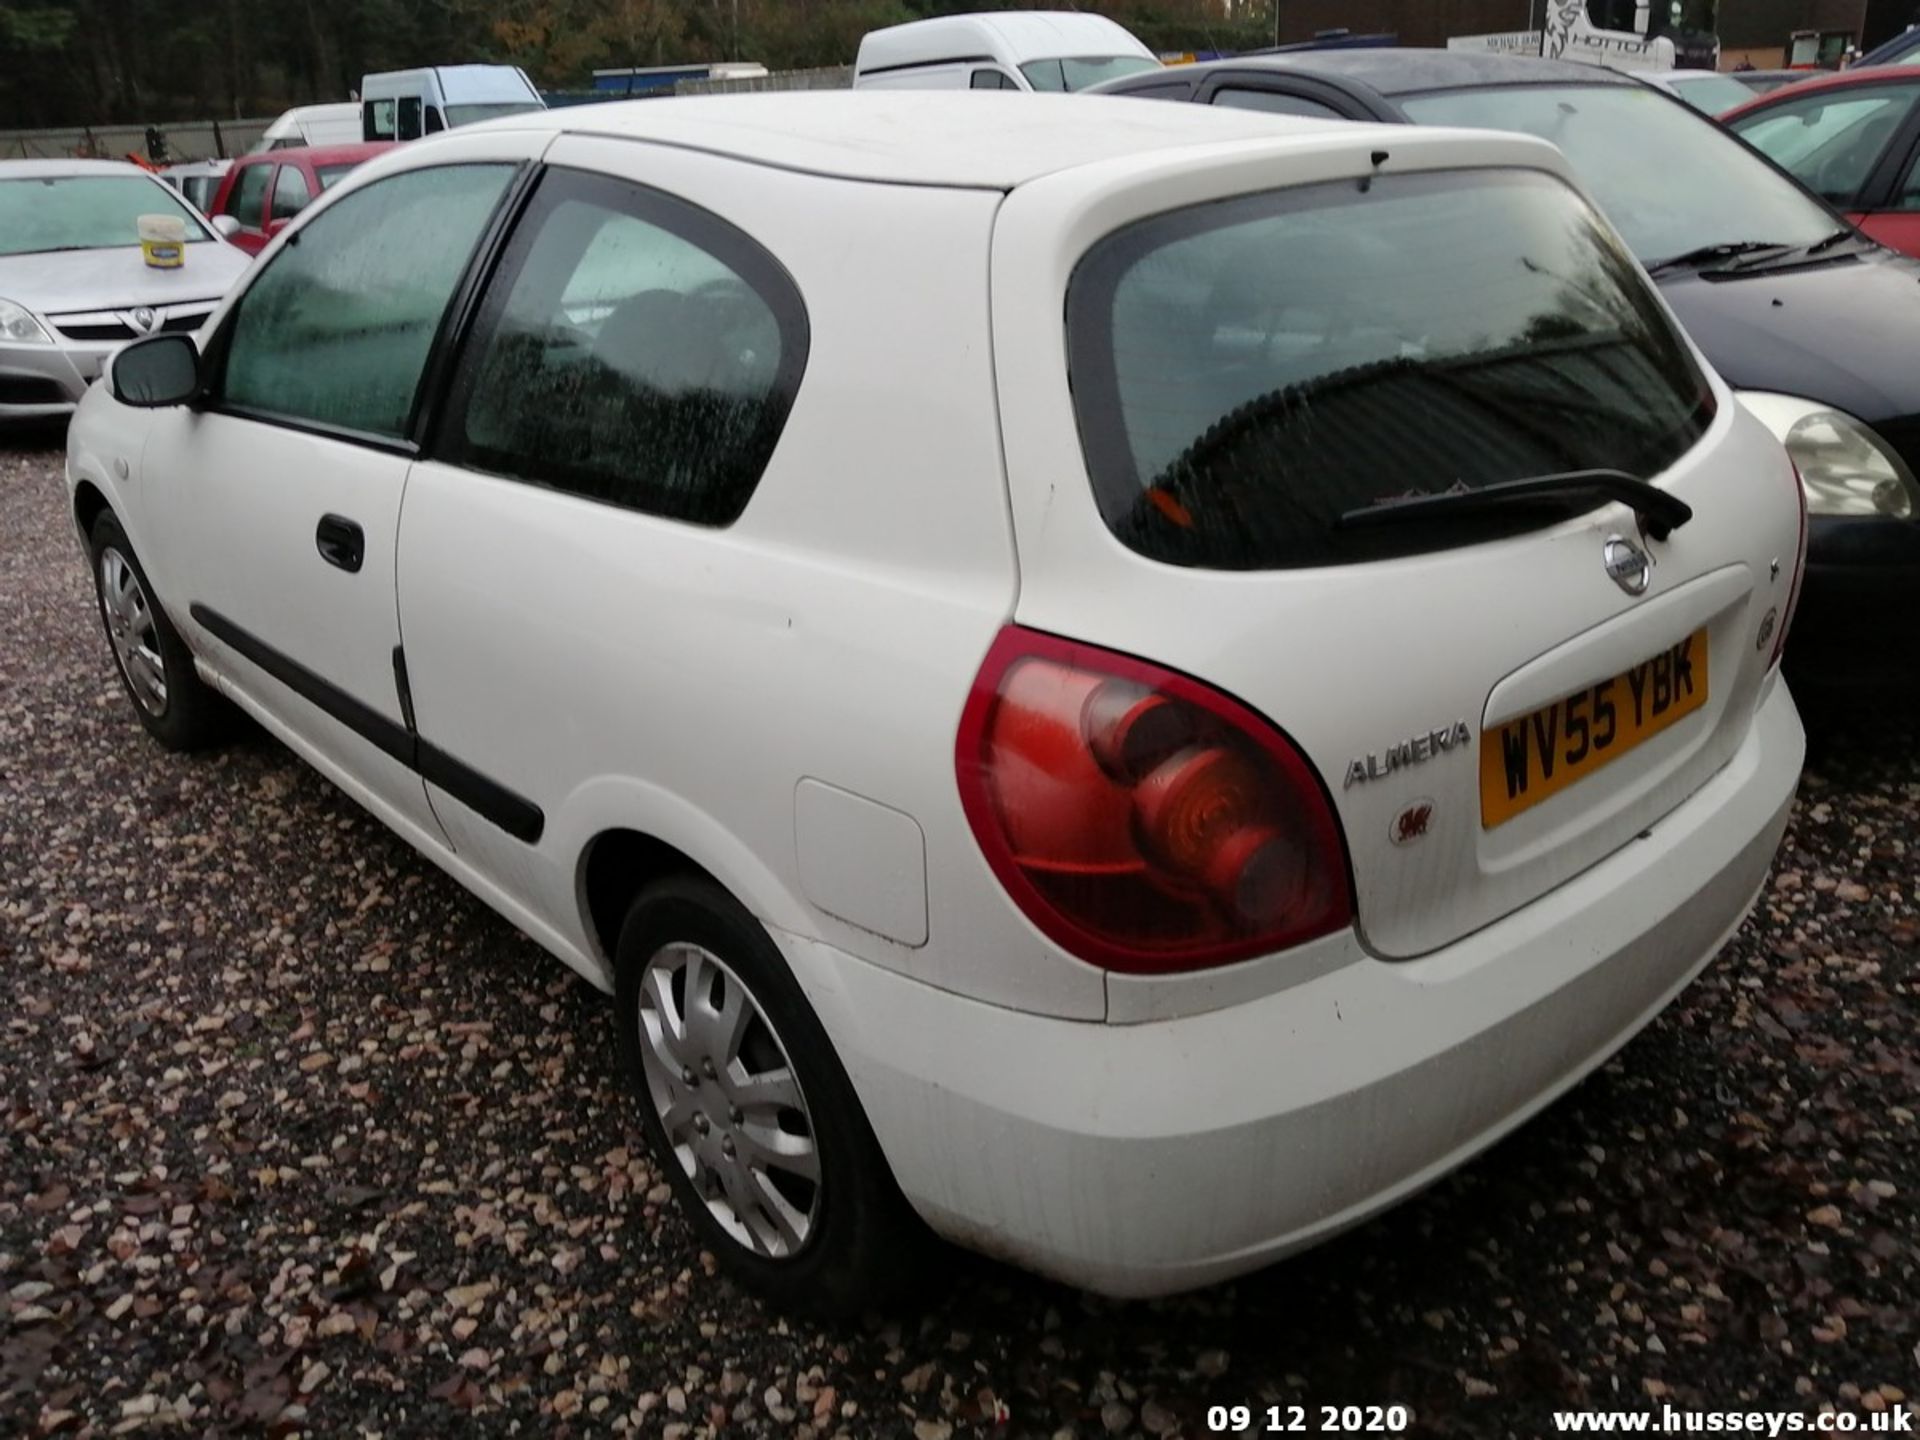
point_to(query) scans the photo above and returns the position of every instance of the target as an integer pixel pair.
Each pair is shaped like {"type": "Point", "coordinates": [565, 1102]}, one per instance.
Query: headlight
{"type": "Point", "coordinates": [1845, 467]}
{"type": "Point", "coordinates": [17, 325]}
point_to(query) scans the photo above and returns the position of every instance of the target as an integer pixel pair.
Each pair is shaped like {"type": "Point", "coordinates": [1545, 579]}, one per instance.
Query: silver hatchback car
{"type": "Point", "coordinates": [74, 284]}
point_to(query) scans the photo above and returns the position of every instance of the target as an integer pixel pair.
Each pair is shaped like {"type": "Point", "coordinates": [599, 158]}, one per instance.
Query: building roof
{"type": "Point", "coordinates": [962, 138]}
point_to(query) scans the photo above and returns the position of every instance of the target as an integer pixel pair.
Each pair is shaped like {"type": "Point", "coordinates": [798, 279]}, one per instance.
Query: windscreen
{"type": "Point", "coordinates": [330, 173]}
{"type": "Point", "coordinates": [1245, 373]}
{"type": "Point", "coordinates": [1668, 178]}
{"type": "Point", "coordinates": [83, 212]}
{"type": "Point", "coordinates": [1079, 74]}
{"type": "Point", "coordinates": [1830, 140]}
{"type": "Point", "coordinates": [474, 114]}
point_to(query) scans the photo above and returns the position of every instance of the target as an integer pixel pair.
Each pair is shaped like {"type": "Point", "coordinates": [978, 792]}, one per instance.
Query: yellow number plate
{"type": "Point", "coordinates": [1537, 756]}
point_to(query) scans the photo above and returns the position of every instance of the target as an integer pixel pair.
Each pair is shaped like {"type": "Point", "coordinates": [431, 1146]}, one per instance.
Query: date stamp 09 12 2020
{"type": "Point", "coordinates": [1305, 1420]}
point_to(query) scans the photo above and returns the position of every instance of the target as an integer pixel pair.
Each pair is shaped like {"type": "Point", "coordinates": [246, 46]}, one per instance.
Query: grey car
{"type": "Point", "coordinates": [74, 284]}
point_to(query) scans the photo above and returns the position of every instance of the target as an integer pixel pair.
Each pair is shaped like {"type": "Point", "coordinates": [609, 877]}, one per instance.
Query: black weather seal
{"type": "Point", "coordinates": [489, 799]}
{"type": "Point", "coordinates": [515, 814]}
{"type": "Point", "coordinates": [356, 715]}
{"type": "Point", "coordinates": [927, 64]}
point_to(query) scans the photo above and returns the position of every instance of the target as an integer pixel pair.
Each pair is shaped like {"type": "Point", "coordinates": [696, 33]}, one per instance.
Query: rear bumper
{"type": "Point", "coordinates": [1145, 1159]}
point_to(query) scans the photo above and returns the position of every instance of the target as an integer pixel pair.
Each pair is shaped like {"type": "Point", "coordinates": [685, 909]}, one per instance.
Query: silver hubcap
{"type": "Point", "coordinates": [130, 626]}
{"type": "Point", "coordinates": [719, 1078]}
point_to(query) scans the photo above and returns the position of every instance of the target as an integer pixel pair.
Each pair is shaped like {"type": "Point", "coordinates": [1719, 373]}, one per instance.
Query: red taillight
{"type": "Point", "coordinates": [1799, 569]}
{"type": "Point", "coordinates": [1143, 821]}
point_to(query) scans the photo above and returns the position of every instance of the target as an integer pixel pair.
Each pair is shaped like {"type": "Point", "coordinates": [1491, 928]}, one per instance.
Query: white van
{"type": "Point", "coordinates": [336, 124]}
{"type": "Point", "coordinates": [406, 104]}
{"type": "Point", "coordinates": [1005, 50]}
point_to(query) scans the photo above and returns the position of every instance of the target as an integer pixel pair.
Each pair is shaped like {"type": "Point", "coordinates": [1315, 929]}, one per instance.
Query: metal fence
{"type": "Point", "coordinates": [185, 140]}
{"type": "Point", "coordinates": [828, 77]}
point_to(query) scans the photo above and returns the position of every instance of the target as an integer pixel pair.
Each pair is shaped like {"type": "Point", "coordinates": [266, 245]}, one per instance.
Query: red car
{"type": "Point", "coordinates": [261, 193]}
{"type": "Point", "coordinates": [1853, 138]}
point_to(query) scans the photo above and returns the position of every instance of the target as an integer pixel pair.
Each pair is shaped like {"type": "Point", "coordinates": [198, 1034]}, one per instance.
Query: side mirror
{"type": "Point", "coordinates": [156, 372]}
{"type": "Point", "coordinates": [226, 225]}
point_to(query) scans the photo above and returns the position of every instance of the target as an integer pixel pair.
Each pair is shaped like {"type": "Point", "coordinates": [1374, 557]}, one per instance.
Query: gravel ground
{"type": "Point", "coordinates": [299, 1138]}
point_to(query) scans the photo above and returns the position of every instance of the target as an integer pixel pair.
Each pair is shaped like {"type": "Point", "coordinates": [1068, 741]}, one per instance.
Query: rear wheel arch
{"type": "Point", "coordinates": [615, 867]}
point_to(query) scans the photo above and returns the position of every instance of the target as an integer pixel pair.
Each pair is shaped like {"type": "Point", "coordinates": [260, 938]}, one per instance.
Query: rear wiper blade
{"type": "Point", "coordinates": [1707, 254]}
{"type": "Point", "coordinates": [1660, 512]}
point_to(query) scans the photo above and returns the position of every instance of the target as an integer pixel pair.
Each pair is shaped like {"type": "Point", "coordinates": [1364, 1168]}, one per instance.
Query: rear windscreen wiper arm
{"type": "Point", "coordinates": [1660, 512]}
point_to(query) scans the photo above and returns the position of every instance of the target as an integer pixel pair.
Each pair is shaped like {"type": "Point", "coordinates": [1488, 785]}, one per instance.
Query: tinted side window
{"type": "Point", "coordinates": [336, 330]}
{"type": "Point", "coordinates": [290, 193]}
{"type": "Point", "coordinates": [634, 349]}
{"type": "Point", "coordinates": [246, 202]}
{"type": "Point", "coordinates": [1273, 102]}
{"type": "Point", "coordinates": [991, 80]}
{"type": "Point", "coordinates": [377, 119]}
{"type": "Point", "coordinates": [407, 119]}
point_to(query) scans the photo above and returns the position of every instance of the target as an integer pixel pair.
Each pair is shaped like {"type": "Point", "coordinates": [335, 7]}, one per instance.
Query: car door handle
{"type": "Point", "coordinates": [340, 542]}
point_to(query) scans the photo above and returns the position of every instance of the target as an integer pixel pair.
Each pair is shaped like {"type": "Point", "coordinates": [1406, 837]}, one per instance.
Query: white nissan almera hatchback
{"type": "Point", "coordinates": [1134, 681]}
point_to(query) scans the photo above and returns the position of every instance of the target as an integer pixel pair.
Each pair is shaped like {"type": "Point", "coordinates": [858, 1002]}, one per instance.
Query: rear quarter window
{"type": "Point", "coordinates": [1247, 372]}
{"type": "Point", "coordinates": [635, 350]}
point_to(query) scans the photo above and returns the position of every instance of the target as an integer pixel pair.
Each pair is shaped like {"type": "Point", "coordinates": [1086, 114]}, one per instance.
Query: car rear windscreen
{"type": "Point", "coordinates": [1245, 373]}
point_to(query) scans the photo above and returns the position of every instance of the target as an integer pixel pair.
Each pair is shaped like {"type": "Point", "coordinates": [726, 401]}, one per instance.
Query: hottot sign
{"type": "Point", "coordinates": [1571, 35]}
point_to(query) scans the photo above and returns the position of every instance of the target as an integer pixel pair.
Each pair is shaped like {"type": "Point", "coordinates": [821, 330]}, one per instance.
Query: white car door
{"type": "Point", "coordinates": [278, 497]}
{"type": "Point", "coordinates": [629, 370]}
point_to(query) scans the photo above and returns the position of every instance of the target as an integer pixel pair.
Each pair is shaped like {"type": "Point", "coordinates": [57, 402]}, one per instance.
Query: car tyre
{"type": "Point", "coordinates": [155, 667]}
{"type": "Point", "coordinates": [795, 1199]}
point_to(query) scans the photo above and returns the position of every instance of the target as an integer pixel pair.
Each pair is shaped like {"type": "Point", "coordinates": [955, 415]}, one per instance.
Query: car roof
{"type": "Point", "coordinates": [1819, 80]}
{"type": "Point", "coordinates": [1034, 35]}
{"type": "Point", "coordinates": [321, 154]}
{"type": "Point", "coordinates": [62, 168]}
{"type": "Point", "coordinates": [1842, 80]}
{"type": "Point", "coordinates": [1407, 70]}
{"type": "Point", "coordinates": [1899, 45]}
{"type": "Point", "coordinates": [965, 138]}
{"type": "Point", "coordinates": [330, 110]}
